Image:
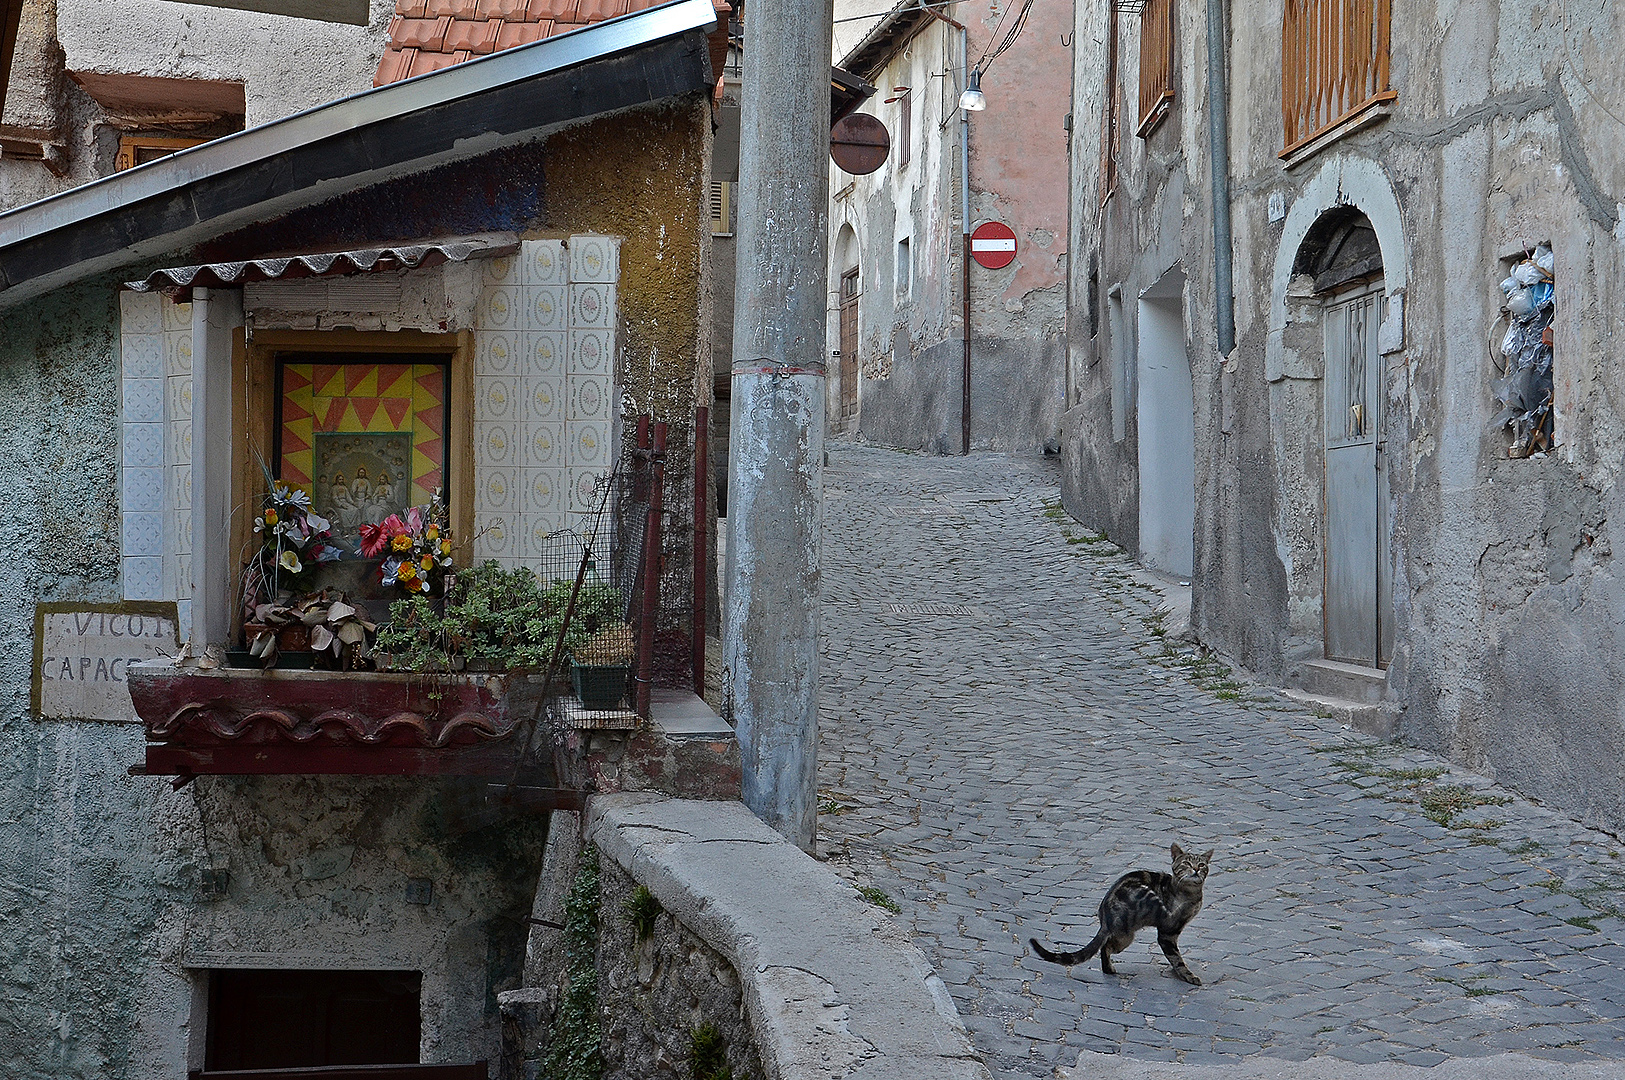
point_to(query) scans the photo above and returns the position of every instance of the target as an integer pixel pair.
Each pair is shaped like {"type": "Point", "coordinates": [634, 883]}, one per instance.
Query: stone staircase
{"type": "Point", "coordinates": [1351, 693]}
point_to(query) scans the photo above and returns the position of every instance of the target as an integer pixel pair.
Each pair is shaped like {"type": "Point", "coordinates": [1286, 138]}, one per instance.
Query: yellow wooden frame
{"type": "Point", "coordinates": [253, 407]}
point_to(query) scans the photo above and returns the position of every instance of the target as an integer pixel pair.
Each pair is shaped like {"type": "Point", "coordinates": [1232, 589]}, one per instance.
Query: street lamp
{"type": "Point", "coordinates": [973, 100]}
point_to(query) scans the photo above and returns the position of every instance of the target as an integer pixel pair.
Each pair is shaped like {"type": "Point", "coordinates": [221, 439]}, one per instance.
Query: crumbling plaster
{"type": "Point", "coordinates": [285, 64]}
{"type": "Point", "coordinates": [101, 872]}
{"type": "Point", "coordinates": [1503, 134]}
{"type": "Point", "coordinates": [106, 920]}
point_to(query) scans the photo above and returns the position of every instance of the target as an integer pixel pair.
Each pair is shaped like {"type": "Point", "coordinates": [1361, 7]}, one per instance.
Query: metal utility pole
{"type": "Point", "coordinates": [776, 441]}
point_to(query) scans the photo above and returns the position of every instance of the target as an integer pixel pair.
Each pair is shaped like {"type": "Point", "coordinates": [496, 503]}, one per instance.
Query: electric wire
{"type": "Point", "coordinates": [1009, 38]}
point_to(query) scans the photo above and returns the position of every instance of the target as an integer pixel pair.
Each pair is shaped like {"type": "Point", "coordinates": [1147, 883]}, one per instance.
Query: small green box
{"type": "Point", "coordinates": [601, 687]}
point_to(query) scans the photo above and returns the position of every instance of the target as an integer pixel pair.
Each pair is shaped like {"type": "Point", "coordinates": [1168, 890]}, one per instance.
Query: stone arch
{"type": "Point", "coordinates": [1344, 181]}
{"type": "Point", "coordinates": [847, 251]}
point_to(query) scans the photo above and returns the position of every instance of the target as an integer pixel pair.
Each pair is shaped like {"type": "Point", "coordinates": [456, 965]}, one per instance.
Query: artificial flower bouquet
{"type": "Point", "coordinates": [416, 548]}
{"type": "Point", "coordinates": [296, 539]}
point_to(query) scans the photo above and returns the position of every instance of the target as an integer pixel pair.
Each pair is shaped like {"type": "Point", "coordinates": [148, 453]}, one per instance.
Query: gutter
{"type": "Point", "coordinates": [167, 205]}
{"type": "Point", "coordinates": [1218, 115]}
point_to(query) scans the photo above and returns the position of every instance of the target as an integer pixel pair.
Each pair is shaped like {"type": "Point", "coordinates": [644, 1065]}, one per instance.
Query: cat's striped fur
{"type": "Point", "coordinates": [1142, 898]}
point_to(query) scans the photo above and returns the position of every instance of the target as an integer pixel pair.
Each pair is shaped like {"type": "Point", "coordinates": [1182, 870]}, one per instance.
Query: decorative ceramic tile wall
{"type": "Point", "coordinates": [155, 351]}
{"type": "Point", "coordinates": [544, 392]}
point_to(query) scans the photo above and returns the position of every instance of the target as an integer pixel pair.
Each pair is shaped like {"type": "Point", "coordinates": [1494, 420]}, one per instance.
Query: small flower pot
{"type": "Point", "coordinates": [601, 687]}
{"type": "Point", "coordinates": [293, 638]}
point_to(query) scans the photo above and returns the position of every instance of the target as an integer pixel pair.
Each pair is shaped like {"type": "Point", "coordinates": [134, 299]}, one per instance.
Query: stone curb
{"type": "Point", "coordinates": [831, 988]}
{"type": "Point", "coordinates": [1095, 1066]}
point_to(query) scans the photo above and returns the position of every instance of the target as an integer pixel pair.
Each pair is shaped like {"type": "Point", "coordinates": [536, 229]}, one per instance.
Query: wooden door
{"type": "Point", "coordinates": [1358, 592]}
{"type": "Point", "coordinates": [849, 345]}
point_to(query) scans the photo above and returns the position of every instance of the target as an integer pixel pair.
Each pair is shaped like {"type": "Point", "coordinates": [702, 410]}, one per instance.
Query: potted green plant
{"type": "Point", "coordinates": [601, 666]}
{"type": "Point", "coordinates": [492, 619]}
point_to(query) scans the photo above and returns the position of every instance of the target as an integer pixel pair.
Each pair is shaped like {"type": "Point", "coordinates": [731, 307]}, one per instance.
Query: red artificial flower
{"type": "Point", "coordinates": [374, 538]}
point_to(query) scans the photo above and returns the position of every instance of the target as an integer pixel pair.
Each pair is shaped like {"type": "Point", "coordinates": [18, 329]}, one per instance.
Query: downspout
{"type": "Point", "coordinates": [964, 224]}
{"type": "Point", "coordinates": [1218, 114]}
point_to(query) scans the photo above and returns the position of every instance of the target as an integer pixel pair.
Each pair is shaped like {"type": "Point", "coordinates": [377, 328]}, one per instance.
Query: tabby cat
{"type": "Point", "coordinates": [1142, 898]}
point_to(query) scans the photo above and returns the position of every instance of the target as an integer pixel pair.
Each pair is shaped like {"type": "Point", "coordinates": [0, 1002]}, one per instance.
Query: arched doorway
{"type": "Point", "coordinates": [850, 289]}
{"type": "Point", "coordinates": [1341, 254]}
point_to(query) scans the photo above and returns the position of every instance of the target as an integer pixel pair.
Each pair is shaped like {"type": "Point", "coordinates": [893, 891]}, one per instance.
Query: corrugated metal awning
{"type": "Point", "coordinates": [326, 263]}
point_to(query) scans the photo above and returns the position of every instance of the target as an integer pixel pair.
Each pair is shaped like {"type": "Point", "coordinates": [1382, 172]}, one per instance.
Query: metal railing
{"type": "Point", "coordinates": [1334, 64]}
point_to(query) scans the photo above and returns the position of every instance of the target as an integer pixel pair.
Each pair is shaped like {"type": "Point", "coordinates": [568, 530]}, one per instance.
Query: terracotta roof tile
{"type": "Point", "coordinates": [592, 11]}
{"type": "Point", "coordinates": [395, 66]}
{"type": "Point", "coordinates": [474, 37]}
{"type": "Point", "coordinates": [513, 10]}
{"type": "Point", "coordinates": [558, 10]}
{"type": "Point", "coordinates": [519, 33]}
{"type": "Point", "coordinates": [427, 35]}
{"type": "Point", "coordinates": [457, 9]}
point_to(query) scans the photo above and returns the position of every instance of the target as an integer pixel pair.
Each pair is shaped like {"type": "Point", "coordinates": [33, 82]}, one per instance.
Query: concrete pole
{"type": "Point", "coordinates": [776, 444]}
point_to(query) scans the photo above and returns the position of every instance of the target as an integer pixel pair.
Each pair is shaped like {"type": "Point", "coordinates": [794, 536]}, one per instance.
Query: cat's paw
{"type": "Point", "coordinates": [1190, 977]}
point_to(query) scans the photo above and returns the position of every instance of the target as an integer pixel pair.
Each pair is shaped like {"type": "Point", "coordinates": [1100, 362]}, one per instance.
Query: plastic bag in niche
{"type": "Point", "coordinates": [1524, 390]}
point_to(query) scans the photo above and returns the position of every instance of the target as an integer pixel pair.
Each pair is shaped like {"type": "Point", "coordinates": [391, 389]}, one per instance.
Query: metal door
{"type": "Point", "coordinates": [849, 345]}
{"type": "Point", "coordinates": [1358, 594]}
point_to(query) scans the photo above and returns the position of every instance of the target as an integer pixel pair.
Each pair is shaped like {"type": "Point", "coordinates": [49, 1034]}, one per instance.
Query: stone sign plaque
{"type": "Point", "coordinates": [81, 652]}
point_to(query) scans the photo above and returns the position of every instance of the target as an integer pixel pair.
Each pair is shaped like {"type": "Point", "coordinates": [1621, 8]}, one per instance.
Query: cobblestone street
{"type": "Point", "coordinates": [1005, 732]}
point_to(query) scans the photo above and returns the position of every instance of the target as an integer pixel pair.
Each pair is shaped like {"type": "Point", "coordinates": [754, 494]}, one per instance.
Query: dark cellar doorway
{"type": "Point", "coordinates": [287, 1019]}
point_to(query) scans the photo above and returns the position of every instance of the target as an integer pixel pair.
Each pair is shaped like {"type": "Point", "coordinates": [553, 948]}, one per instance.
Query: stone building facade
{"type": "Point", "coordinates": [1346, 484]}
{"type": "Point", "coordinates": [136, 904]}
{"type": "Point", "coordinates": [897, 274]}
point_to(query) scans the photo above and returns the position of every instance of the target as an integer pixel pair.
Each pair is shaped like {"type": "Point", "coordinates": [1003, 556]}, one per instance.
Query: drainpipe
{"type": "Point", "coordinates": [964, 212]}
{"type": "Point", "coordinates": [1218, 114]}
{"type": "Point", "coordinates": [775, 481]}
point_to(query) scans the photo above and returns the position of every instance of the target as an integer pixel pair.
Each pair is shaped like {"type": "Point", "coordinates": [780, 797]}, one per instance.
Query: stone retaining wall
{"type": "Point", "coordinates": [801, 977]}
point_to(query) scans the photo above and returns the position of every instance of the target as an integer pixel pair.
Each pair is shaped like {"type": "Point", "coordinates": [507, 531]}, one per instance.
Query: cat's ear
{"type": "Point", "coordinates": [1174, 848]}
{"type": "Point", "coordinates": [1209, 856]}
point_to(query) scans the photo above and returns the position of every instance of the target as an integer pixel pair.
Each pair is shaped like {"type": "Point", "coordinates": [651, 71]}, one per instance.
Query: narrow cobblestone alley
{"type": "Point", "coordinates": [1004, 733]}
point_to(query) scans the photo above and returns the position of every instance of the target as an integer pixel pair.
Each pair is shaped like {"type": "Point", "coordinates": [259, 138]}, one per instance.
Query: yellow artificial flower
{"type": "Point", "coordinates": [427, 562]}
{"type": "Point", "coordinates": [290, 561]}
{"type": "Point", "coordinates": [432, 532]}
{"type": "Point", "coordinates": [445, 547]}
{"type": "Point", "coordinates": [401, 543]}
{"type": "Point", "coordinates": [270, 517]}
{"type": "Point", "coordinates": [407, 572]}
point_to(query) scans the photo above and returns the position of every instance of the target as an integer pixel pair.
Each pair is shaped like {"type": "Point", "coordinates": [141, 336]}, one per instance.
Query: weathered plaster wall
{"type": "Point", "coordinates": [1502, 135]}
{"type": "Point", "coordinates": [100, 873]}
{"type": "Point", "coordinates": [100, 898]}
{"type": "Point", "coordinates": [285, 64]}
{"type": "Point", "coordinates": [911, 340]}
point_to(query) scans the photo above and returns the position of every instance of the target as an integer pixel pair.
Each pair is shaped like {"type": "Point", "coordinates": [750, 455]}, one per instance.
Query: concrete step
{"type": "Point", "coordinates": [1357, 714]}
{"type": "Point", "coordinates": [1333, 678]}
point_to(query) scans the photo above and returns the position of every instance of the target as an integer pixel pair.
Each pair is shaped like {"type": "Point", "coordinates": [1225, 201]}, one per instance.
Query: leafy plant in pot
{"type": "Point", "coordinates": [492, 620]}
{"type": "Point", "coordinates": [601, 666]}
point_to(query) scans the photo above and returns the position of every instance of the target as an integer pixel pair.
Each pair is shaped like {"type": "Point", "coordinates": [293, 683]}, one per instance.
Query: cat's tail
{"type": "Point", "coordinates": [1076, 957]}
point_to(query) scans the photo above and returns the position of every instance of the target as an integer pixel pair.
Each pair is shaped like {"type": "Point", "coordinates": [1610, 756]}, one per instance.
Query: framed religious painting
{"type": "Point", "coordinates": [363, 433]}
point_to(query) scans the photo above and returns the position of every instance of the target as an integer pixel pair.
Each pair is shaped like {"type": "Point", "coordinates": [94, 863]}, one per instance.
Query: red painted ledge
{"type": "Point", "coordinates": [243, 721]}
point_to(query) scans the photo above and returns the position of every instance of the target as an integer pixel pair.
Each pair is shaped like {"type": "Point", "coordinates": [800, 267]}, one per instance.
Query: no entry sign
{"type": "Point", "coordinates": [993, 245]}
